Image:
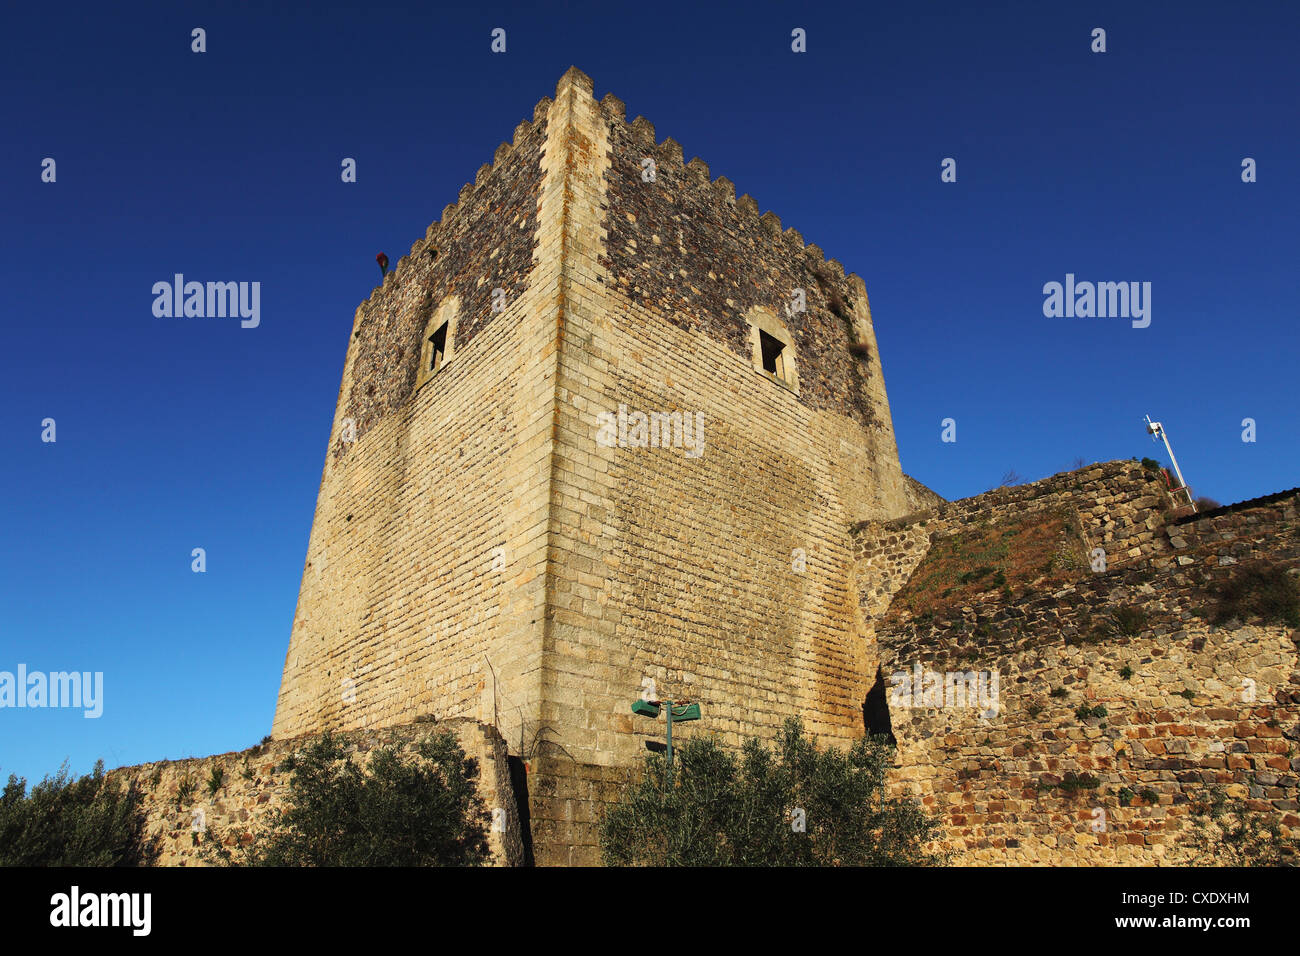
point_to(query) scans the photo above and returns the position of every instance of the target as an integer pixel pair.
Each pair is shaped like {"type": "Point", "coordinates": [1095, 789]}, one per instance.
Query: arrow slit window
{"type": "Point", "coordinates": [439, 344]}
{"type": "Point", "coordinates": [773, 348]}
{"type": "Point", "coordinates": [437, 347]}
{"type": "Point", "coordinates": [773, 361]}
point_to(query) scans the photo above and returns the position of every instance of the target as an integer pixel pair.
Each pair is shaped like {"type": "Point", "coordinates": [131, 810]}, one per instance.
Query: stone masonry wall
{"type": "Point", "coordinates": [180, 805]}
{"type": "Point", "coordinates": [485, 241]}
{"type": "Point", "coordinates": [920, 497]}
{"type": "Point", "coordinates": [1184, 704]}
{"type": "Point", "coordinates": [1121, 508]}
{"type": "Point", "coordinates": [684, 248]}
{"type": "Point", "coordinates": [424, 584]}
{"type": "Point", "coordinates": [725, 577]}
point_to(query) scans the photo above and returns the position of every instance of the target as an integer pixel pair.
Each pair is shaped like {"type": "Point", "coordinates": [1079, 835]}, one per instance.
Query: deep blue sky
{"type": "Point", "coordinates": [175, 434]}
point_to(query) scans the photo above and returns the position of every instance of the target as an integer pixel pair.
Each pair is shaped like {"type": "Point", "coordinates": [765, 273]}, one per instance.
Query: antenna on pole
{"type": "Point", "coordinates": [1156, 430]}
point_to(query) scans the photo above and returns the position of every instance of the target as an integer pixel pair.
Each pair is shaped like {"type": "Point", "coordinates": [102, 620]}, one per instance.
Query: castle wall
{"type": "Point", "coordinates": [686, 250]}
{"type": "Point", "coordinates": [1121, 507]}
{"type": "Point", "coordinates": [680, 568]}
{"type": "Point", "coordinates": [183, 811]}
{"type": "Point", "coordinates": [1199, 704]}
{"type": "Point", "coordinates": [424, 581]}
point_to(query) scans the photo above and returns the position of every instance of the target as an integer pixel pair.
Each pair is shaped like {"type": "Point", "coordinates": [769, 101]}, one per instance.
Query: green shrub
{"type": "Point", "coordinates": [1125, 672]}
{"type": "Point", "coordinates": [1226, 832]}
{"type": "Point", "coordinates": [419, 809]}
{"type": "Point", "coordinates": [1263, 593]}
{"type": "Point", "coordinates": [215, 779]}
{"type": "Point", "coordinates": [724, 809]}
{"type": "Point", "coordinates": [184, 789]}
{"type": "Point", "coordinates": [1074, 782]}
{"type": "Point", "coordinates": [63, 822]}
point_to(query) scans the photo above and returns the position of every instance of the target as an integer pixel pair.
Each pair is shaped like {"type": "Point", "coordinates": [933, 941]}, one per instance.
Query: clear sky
{"type": "Point", "coordinates": [175, 433]}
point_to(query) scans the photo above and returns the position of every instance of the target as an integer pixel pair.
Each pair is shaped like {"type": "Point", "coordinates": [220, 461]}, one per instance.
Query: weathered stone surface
{"type": "Point", "coordinates": [477, 553]}
{"type": "Point", "coordinates": [184, 810]}
{"type": "Point", "coordinates": [1195, 690]}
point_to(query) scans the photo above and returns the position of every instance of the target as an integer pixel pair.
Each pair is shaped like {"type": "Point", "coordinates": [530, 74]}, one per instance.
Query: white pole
{"type": "Point", "coordinates": [1155, 428]}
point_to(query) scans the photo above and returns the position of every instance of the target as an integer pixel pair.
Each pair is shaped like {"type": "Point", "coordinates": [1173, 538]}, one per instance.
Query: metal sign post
{"type": "Point", "coordinates": [681, 710]}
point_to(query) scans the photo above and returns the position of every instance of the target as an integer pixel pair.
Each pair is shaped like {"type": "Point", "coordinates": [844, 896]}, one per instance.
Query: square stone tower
{"type": "Point", "coordinates": [604, 423]}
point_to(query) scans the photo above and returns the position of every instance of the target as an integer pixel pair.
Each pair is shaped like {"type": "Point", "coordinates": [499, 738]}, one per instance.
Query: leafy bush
{"type": "Point", "coordinates": [63, 822]}
{"type": "Point", "coordinates": [421, 809]}
{"type": "Point", "coordinates": [215, 779]}
{"type": "Point", "coordinates": [748, 810]}
{"type": "Point", "coordinates": [1225, 832]}
{"type": "Point", "coordinates": [184, 789]}
{"type": "Point", "coordinates": [1265, 593]}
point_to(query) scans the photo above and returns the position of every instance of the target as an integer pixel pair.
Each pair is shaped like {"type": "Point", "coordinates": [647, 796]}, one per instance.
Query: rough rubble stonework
{"type": "Point", "coordinates": [183, 810]}
{"type": "Point", "coordinates": [1199, 704]}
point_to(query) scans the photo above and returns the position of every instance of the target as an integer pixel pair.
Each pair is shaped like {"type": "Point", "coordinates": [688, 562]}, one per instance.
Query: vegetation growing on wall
{"type": "Point", "coordinates": [419, 809]}
{"type": "Point", "coordinates": [793, 805]}
{"type": "Point", "coordinates": [88, 821]}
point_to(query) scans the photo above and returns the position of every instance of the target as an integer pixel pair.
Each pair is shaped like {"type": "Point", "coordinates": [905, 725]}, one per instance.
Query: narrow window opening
{"type": "Point", "coordinates": [439, 346]}
{"type": "Point", "coordinates": [773, 354]}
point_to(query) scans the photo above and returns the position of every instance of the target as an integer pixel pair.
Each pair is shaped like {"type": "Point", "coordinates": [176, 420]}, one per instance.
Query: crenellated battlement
{"type": "Point", "coordinates": [685, 245]}
{"type": "Point", "coordinates": [465, 196]}
{"type": "Point", "coordinates": [668, 156]}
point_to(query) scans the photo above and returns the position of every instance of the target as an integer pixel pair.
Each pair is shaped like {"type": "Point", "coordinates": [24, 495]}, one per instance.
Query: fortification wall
{"type": "Point", "coordinates": [685, 249]}
{"type": "Point", "coordinates": [1120, 506]}
{"type": "Point", "coordinates": [424, 581]}
{"type": "Point", "coordinates": [1186, 704]}
{"type": "Point", "coordinates": [183, 811]}
{"type": "Point", "coordinates": [920, 497]}
{"type": "Point", "coordinates": [725, 577]}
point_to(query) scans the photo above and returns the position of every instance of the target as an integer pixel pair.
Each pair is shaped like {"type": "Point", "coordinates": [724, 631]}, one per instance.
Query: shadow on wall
{"type": "Point", "coordinates": [875, 710]}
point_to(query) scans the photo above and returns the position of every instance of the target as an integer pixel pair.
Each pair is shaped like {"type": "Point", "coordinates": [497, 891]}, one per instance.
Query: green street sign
{"type": "Point", "coordinates": [647, 709]}
{"type": "Point", "coordinates": [686, 712]}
